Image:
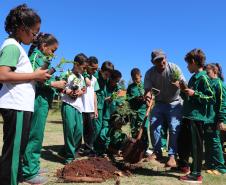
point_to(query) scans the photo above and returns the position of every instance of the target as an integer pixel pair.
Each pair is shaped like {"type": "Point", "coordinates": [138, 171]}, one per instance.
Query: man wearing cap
{"type": "Point", "coordinates": [168, 104]}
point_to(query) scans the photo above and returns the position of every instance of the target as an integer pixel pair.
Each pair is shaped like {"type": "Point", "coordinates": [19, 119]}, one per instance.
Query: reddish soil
{"type": "Point", "coordinates": [93, 169]}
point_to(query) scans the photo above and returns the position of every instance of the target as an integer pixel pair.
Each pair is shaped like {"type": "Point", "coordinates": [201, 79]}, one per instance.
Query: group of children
{"type": "Point", "coordinates": [89, 98]}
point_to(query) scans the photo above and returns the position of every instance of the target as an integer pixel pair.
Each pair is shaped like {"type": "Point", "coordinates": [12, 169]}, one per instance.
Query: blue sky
{"type": "Point", "coordinates": [126, 31]}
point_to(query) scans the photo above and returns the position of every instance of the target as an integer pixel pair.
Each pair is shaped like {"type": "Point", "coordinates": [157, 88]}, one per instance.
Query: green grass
{"type": "Point", "coordinates": [152, 173]}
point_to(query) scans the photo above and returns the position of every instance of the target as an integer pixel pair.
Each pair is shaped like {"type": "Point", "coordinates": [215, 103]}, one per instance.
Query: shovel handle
{"type": "Point", "coordinates": [144, 121]}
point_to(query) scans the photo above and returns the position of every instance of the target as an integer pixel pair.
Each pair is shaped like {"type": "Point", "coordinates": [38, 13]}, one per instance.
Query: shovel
{"type": "Point", "coordinates": [134, 150]}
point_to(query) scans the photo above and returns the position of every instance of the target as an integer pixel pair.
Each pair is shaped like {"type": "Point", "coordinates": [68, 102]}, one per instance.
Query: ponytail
{"type": "Point", "coordinates": [42, 38]}
{"type": "Point", "coordinates": [220, 74]}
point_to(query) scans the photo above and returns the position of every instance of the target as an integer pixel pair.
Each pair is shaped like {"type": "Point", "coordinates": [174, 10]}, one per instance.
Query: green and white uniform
{"type": "Point", "coordinates": [196, 110]}
{"type": "Point", "coordinates": [88, 98]}
{"type": "Point", "coordinates": [214, 158]}
{"type": "Point", "coordinates": [16, 107]}
{"type": "Point", "coordinates": [43, 99]}
{"type": "Point", "coordinates": [71, 111]}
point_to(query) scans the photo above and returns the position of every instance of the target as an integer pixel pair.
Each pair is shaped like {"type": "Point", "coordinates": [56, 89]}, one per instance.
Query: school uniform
{"type": "Point", "coordinates": [16, 107]}
{"type": "Point", "coordinates": [104, 138]}
{"type": "Point", "coordinates": [43, 98]}
{"type": "Point", "coordinates": [196, 110]}
{"type": "Point", "coordinates": [71, 111]}
{"type": "Point", "coordinates": [89, 113]}
{"type": "Point", "coordinates": [100, 104]}
{"type": "Point", "coordinates": [134, 91]}
{"type": "Point", "coordinates": [214, 158]}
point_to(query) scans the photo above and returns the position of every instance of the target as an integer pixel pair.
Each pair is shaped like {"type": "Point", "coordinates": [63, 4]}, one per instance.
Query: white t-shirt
{"type": "Point", "coordinates": [88, 97]}
{"type": "Point", "coordinates": [76, 103]}
{"type": "Point", "coordinates": [18, 96]}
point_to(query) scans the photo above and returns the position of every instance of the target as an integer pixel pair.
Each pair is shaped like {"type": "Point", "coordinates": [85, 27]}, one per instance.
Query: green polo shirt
{"type": "Point", "coordinates": [110, 107]}
{"type": "Point", "coordinates": [218, 110]}
{"type": "Point", "coordinates": [197, 107]}
{"type": "Point", "coordinates": [133, 92]}
{"type": "Point", "coordinates": [37, 59]}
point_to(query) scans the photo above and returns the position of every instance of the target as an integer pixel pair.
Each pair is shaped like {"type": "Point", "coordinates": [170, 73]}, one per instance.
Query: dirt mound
{"type": "Point", "coordinates": [93, 169]}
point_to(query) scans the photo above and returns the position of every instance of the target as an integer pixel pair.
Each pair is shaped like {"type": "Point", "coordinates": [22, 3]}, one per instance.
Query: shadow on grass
{"type": "Point", "coordinates": [50, 153]}
{"type": "Point", "coordinates": [55, 121]}
{"type": "Point", "coordinates": [142, 170]}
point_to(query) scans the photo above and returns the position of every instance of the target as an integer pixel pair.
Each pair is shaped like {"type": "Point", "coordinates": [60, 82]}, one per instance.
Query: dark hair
{"type": "Point", "coordinates": [107, 66]}
{"type": "Point", "coordinates": [197, 55]}
{"type": "Point", "coordinates": [134, 72]}
{"type": "Point", "coordinates": [92, 60]}
{"type": "Point", "coordinates": [116, 74]}
{"type": "Point", "coordinates": [42, 38]}
{"type": "Point", "coordinates": [21, 16]}
{"type": "Point", "coordinates": [217, 66]}
{"type": "Point", "coordinates": [81, 58]}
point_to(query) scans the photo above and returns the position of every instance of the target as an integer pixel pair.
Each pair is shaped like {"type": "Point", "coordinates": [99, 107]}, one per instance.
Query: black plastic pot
{"type": "Point", "coordinates": [51, 70]}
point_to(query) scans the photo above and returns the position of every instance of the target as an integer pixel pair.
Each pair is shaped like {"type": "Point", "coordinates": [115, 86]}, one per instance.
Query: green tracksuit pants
{"type": "Point", "coordinates": [31, 161]}
{"type": "Point", "coordinates": [214, 158]}
{"type": "Point", "coordinates": [73, 129]}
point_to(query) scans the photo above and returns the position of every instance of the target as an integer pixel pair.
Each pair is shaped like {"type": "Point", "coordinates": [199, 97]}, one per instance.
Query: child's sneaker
{"type": "Point", "coordinates": [184, 169]}
{"type": "Point", "coordinates": [37, 180]}
{"type": "Point", "coordinates": [43, 171]}
{"type": "Point", "coordinates": [191, 179]}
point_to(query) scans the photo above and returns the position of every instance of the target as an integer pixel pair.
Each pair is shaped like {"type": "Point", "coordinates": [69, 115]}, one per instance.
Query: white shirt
{"type": "Point", "coordinates": [88, 97]}
{"type": "Point", "coordinates": [18, 96]}
{"type": "Point", "coordinates": [76, 103]}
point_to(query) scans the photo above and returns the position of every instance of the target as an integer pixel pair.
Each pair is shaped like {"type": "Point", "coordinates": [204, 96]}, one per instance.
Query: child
{"type": "Point", "coordinates": [110, 104]}
{"type": "Point", "coordinates": [90, 106]}
{"type": "Point", "coordinates": [72, 109]}
{"type": "Point", "coordinates": [44, 46]}
{"type": "Point", "coordinates": [102, 78]}
{"type": "Point", "coordinates": [135, 95]}
{"type": "Point", "coordinates": [197, 99]}
{"type": "Point", "coordinates": [17, 94]}
{"type": "Point", "coordinates": [214, 158]}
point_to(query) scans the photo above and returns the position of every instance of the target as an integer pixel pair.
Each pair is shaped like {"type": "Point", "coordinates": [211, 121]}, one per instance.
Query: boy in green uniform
{"type": "Point", "coordinates": [72, 109]}
{"type": "Point", "coordinates": [110, 103]}
{"type": "Point", "coordinates": [135, 95]}
{"type": "Point", "coordinates": [198, 98]}
{"type": "Point", "coordinates": [44, 46]}
{"type": "Point", "coordinates": [214, 158]}
{"type": "Point", "coordinates": [102, 78]}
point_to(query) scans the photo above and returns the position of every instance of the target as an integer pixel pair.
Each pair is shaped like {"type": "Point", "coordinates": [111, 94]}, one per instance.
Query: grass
{"type": "Point", "coordinates": [152, 173]}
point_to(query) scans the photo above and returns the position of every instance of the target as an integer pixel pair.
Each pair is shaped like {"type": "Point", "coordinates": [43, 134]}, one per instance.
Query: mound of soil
{"type": "Point", "coordinates": [93, 169]}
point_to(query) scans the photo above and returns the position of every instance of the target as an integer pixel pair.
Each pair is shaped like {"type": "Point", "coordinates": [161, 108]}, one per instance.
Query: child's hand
{"type": "Point", "coordinates": [88, 82]}
{"type": "Point", "coordinates": [96, 114]}
{"type": "Point", "coordinates": [41, 75]}
{"type": "Point", "coordinates": [59, 84]}
{"type": "Point", "coordinates": [189, 92]}
{"type": "Point", "coordinates": [108, 99]}
{"type": "Point", "coordinates": [78, 93]}
{"type": "Point", "coordinates": [220, 126]}
{"type": "Point", "coordinates": [69, 92]}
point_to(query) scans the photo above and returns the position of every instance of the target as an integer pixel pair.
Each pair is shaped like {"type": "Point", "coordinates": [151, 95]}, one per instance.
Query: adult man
{"type": "Point", "coordinates": [167, 106]}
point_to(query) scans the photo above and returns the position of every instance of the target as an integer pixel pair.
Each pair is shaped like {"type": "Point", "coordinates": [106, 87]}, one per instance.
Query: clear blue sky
{"type": "Point", "coordinates": [126, 31]}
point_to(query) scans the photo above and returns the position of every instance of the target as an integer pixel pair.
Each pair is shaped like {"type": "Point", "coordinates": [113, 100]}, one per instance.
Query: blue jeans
{"type": "Point", "coordinates": [171, 113]}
